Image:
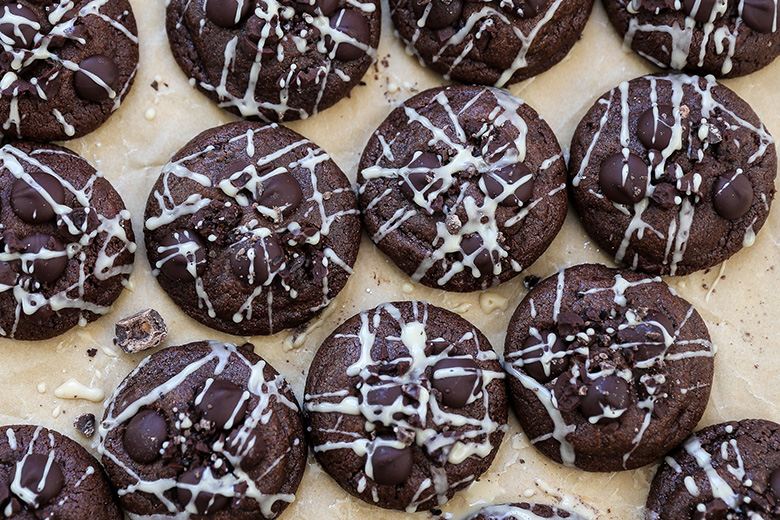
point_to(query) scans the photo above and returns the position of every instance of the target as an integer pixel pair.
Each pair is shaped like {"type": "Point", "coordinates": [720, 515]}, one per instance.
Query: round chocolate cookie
{"type": "Point", "coordinates": [523, 511]}
{"type": "Point", "coordinates": [66, 243]}
{"type": "Point", "coordinates": [44, 474]}
{"type": "Point", "coordinates": [725, 471]}
{"type": "Point", "coordinates": [463, 187]}
{"type": "Point", "coordinates": [406, 405]}
{"type": "Point", "coordinates": [490, 42]}
{"type": "Point", "coordinates": [725, 38]}
{"type": "Point", "coordinates": [252, 228]}
{"type": "Point", "coordinates": [672, 173]}
{"type": "Point", "coordinates": [274, 60]}
{"type": "Point", "coordinates": [609, 369]}
{"type": "Point", "coordinates": [204, 430]}
{"type": "Point", "coordinates": [65, 66]}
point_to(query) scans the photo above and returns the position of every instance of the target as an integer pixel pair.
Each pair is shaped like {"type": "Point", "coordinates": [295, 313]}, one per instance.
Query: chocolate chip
{"type": "Point", "coordinates": [442, 13]}
{"type": "Point", "coordinates": [647, 339]}
{"type": "Point", "coordinates": [539, 360]}
{"type": "Point", "coordinates": [607, 391]}
{"type": "Point", "coordinates": [18, 26]}
{"type": "Point", "coordinates": [223, 403]}
{"type": "Point", "coordinates": [254, 259]}
{"type": "Point", "coordinates": [473, 243]}
{"type": "Point", "coordinates": [141, 331]}
{"type": "Point", "coordinates": [145, 435]}
{"type": "Point", "coordinates": [628, 190]}
{"type": "Point", "coordinates": [249, 447]}
{"type": "Point", "coordinates": [105, 69]}
{"type": "Point", "coordinates": [8, 275]}
{"type": "Point", "coordinates": [47, 259]}
{"type": "Point", "coordinates": [29, 204]}
{"type": "Point", "coordinates": [323, 7]}
{"type": "Point", "coordinates": [655, 131]}
{"type": "Point", "coordinates": [85, 424]}
{"type": "Point", "coordinates": [761, 15]}
{"type": "Point", "coordinates": [43, 478]}
{"type": "Point", "coordinates": [714, 510]}
{"type": "Point", "coordinates": [456, 379]}
{"type": "Point", "coordinates": [512, 184]}
{"type": "Point", "coordinates": [205, 503]}
{"type": "Point", "coordinates": [350, 25]}
{"type": "Point", "coordinates": [391, 466]}
{"type": "Point", "coordinates": [281, 191]}
{"type": "Point", "coordinates": [183, 255]}
{"type": "Point", "coordinates": [227, 13]}
{"type": "Point", "coordinates": [733, 195]}
{"type": "Point", "coordinates": [700, 10]}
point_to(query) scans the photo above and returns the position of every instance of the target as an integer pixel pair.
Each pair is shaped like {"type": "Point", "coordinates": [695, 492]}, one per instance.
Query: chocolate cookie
{"type": "Point", "coordinates": [463, 187]}
{"type": "Point", "coordinates": [725, 38]}
{"type": "Point", "coordinates": [66, 243]}
{"type": "Point", "coordinates": [274, 60]}
{"type": "Point", "coordinates": [672, 174]}
{"type": "Point", "coordinates": [65, 66]}
{"type": "Point", "coordinates": [252, 229]}
{"type": "Point", "coordinates": [728, 470]}
{"type": "Point", "coordinates": [44, 474]}
{"type": "Point", "coordinates": [405, 405]}
{"type": "Point", "coordinates": [608, 369]}
{"type": "Point", "coordinates": [490, 42]}
{"type": "Point", "coordinates": [204, 430]}
{"type": "Point", "coordinates": [523, 511]}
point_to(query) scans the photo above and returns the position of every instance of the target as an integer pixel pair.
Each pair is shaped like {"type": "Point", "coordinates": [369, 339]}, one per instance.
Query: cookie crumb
{"type": "Point", "coordinates": [140, 331]}
{"type": "Point", "coordinates": [85, 424]}
{"type": "Point", "coordinates": [92, 352]}
{"type": "Point", "coordinates": [531, 281]}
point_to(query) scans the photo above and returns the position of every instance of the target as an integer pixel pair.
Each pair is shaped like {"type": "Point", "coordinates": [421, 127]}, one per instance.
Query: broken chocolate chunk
{"type": "Point", "coordinates": [141, 331]}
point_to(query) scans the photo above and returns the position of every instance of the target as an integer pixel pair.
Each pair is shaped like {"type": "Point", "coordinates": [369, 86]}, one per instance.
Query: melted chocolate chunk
{"type": "Point", "coordinates": [700, 10]}
{"type": "Point", "coordinates": [655, 132]}
{"type": "Point", "coordinates": [323, 7]}
{"type": "Point", "coordinates": [714, 510]}
{"type": "Point", "coordinates": [40, 476]}
{"type": "Point", "coordinates": [145, 435]}
{"type": "Point", "coordinates": [29, 204]}
{"type": "Point", "coordinates": [628, 190]}
{"type": "Point", "coordinates": [223, 404]}
{"type": "Point", "coordinates": [391, 466]}
{"type": "Point", "coordinates": [49, 260]}
{"type": "Point", "coordinates": [482, 261]}
{"type": "Point", "coordinates": [105, 69]}
{"type": "Point", "coordinates": [18, 26]}
{"type": "Point", "coordinates": [352, 25]}
{"type": "Point", "coordinates": [761, 15]}
{"type": "Point", "coordinates": [612, 391]}
{"type": "Point", "coordinates": [456, 379]}
{"type": "Point", "coordinates": [538, 360]}
{"type": "Point", "coordinates": [254, 260]}
{"type": "Point", "coordinates": [227, 13]}
{"type": "Point", "coordinates": [184, 255]}
{"type": "Point", "coordinates": [281, 191]}
{"type": "Point", "coordinates": [511, 177]}
{"type": "Point", "coordinates": [205, 503]}
{"type": "Point", "coordinates": [647, 339]}
{"type": "Point", "coordinates": [733, 195]}
{"type": "Point", "coordinates": [442, 13]}
{"type": "Point", "coordinates": [250, 448]}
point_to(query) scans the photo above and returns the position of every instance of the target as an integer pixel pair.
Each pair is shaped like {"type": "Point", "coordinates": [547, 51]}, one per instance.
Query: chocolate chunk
{"type": "Point", "coordinates": [141, 331]}
{"type": "Point", "coordinates": [569, 323]}
{"type": "Point", "coordinates": [384, 395]}
{"type": "Point", "coordinates": [42, 477]}
{"type": "Point", "coordinates": [530, 8]}
{"type": "Point", "coordinates": [664, 195]}
{"type": "Point", "coordinates": [441, 14]}
{"type": "Point", "coordinates": [44, 257]}
{"type": "Point", "coordinates": [223, 403]}
{"type": "Point", "coordinates": [646, 339]}
{"type": "Point", "coordinates": [204, 503]}
{"type": "Point", "coordinates": [227, 13]}
{"type": "Point", "coordinates": [456, 379]}
{"type": "Point", "coordinates": [19, 25]}
{"type": "Point", "coordinates": [391, 466]}
{"type": "Point", "coordinates": [8, 276]}
{"type": "Point", "coordinates": [623, 180]}
{"type": "Point", "coordinates": [690, 184]}
{"type": "Point", "coordinates": [606, 391]}
{"type": "Point", "coordinates": [513, 185]}
{"type": "Point", "coordinates": [540, 360]}
{"type": "Point", "coordinates": [531, 281]}
{"type": "Point", "coordinates": [319, 7]}
{"type": "Point", "coordinates": [733, 195]}
{"type": "Point", "coordinates": [761, 15]}
{"type": "Point", "coordinates": [420, 181]}
{"type": "Point", "coordinates": [183, 255]}
{"type": "Point", "coordinates": [281, 191]}
{"type": "Point", "coordinates": [473, 243]}
{"type": "Point", "coordinates": [654, 127]}
{"type": "Point", "coordinates": [352, 26]}
{"type": "Point", "coordinates": [701, 10]}
{"type": "Point", "coordinates": [5, 492]}
{"type": "Point", "coordinates": [255, 260]}
{"type": "Point", "coordinates": [774, 483]}
{"type": "Point", "coordinates": [217, 221]}
{"type": "Point", "coordinates": [713, 510]}
{"type": "Point", "coordinates": [250, 448]}
{"type": "Point", "coordinates": [145, 435]}
{"type": "Point", "coordinates": [85, 424]}
{"type": "Point", "coordinates": [78, 222]}
{"type": "Point", "coordinates": [106, 71]}
{"type": "Point", "coordinates": [29, 204]}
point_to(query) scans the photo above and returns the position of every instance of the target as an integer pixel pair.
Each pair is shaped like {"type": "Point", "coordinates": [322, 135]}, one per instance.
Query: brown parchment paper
{"type": "Point", "coordinates": [739, 299]}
